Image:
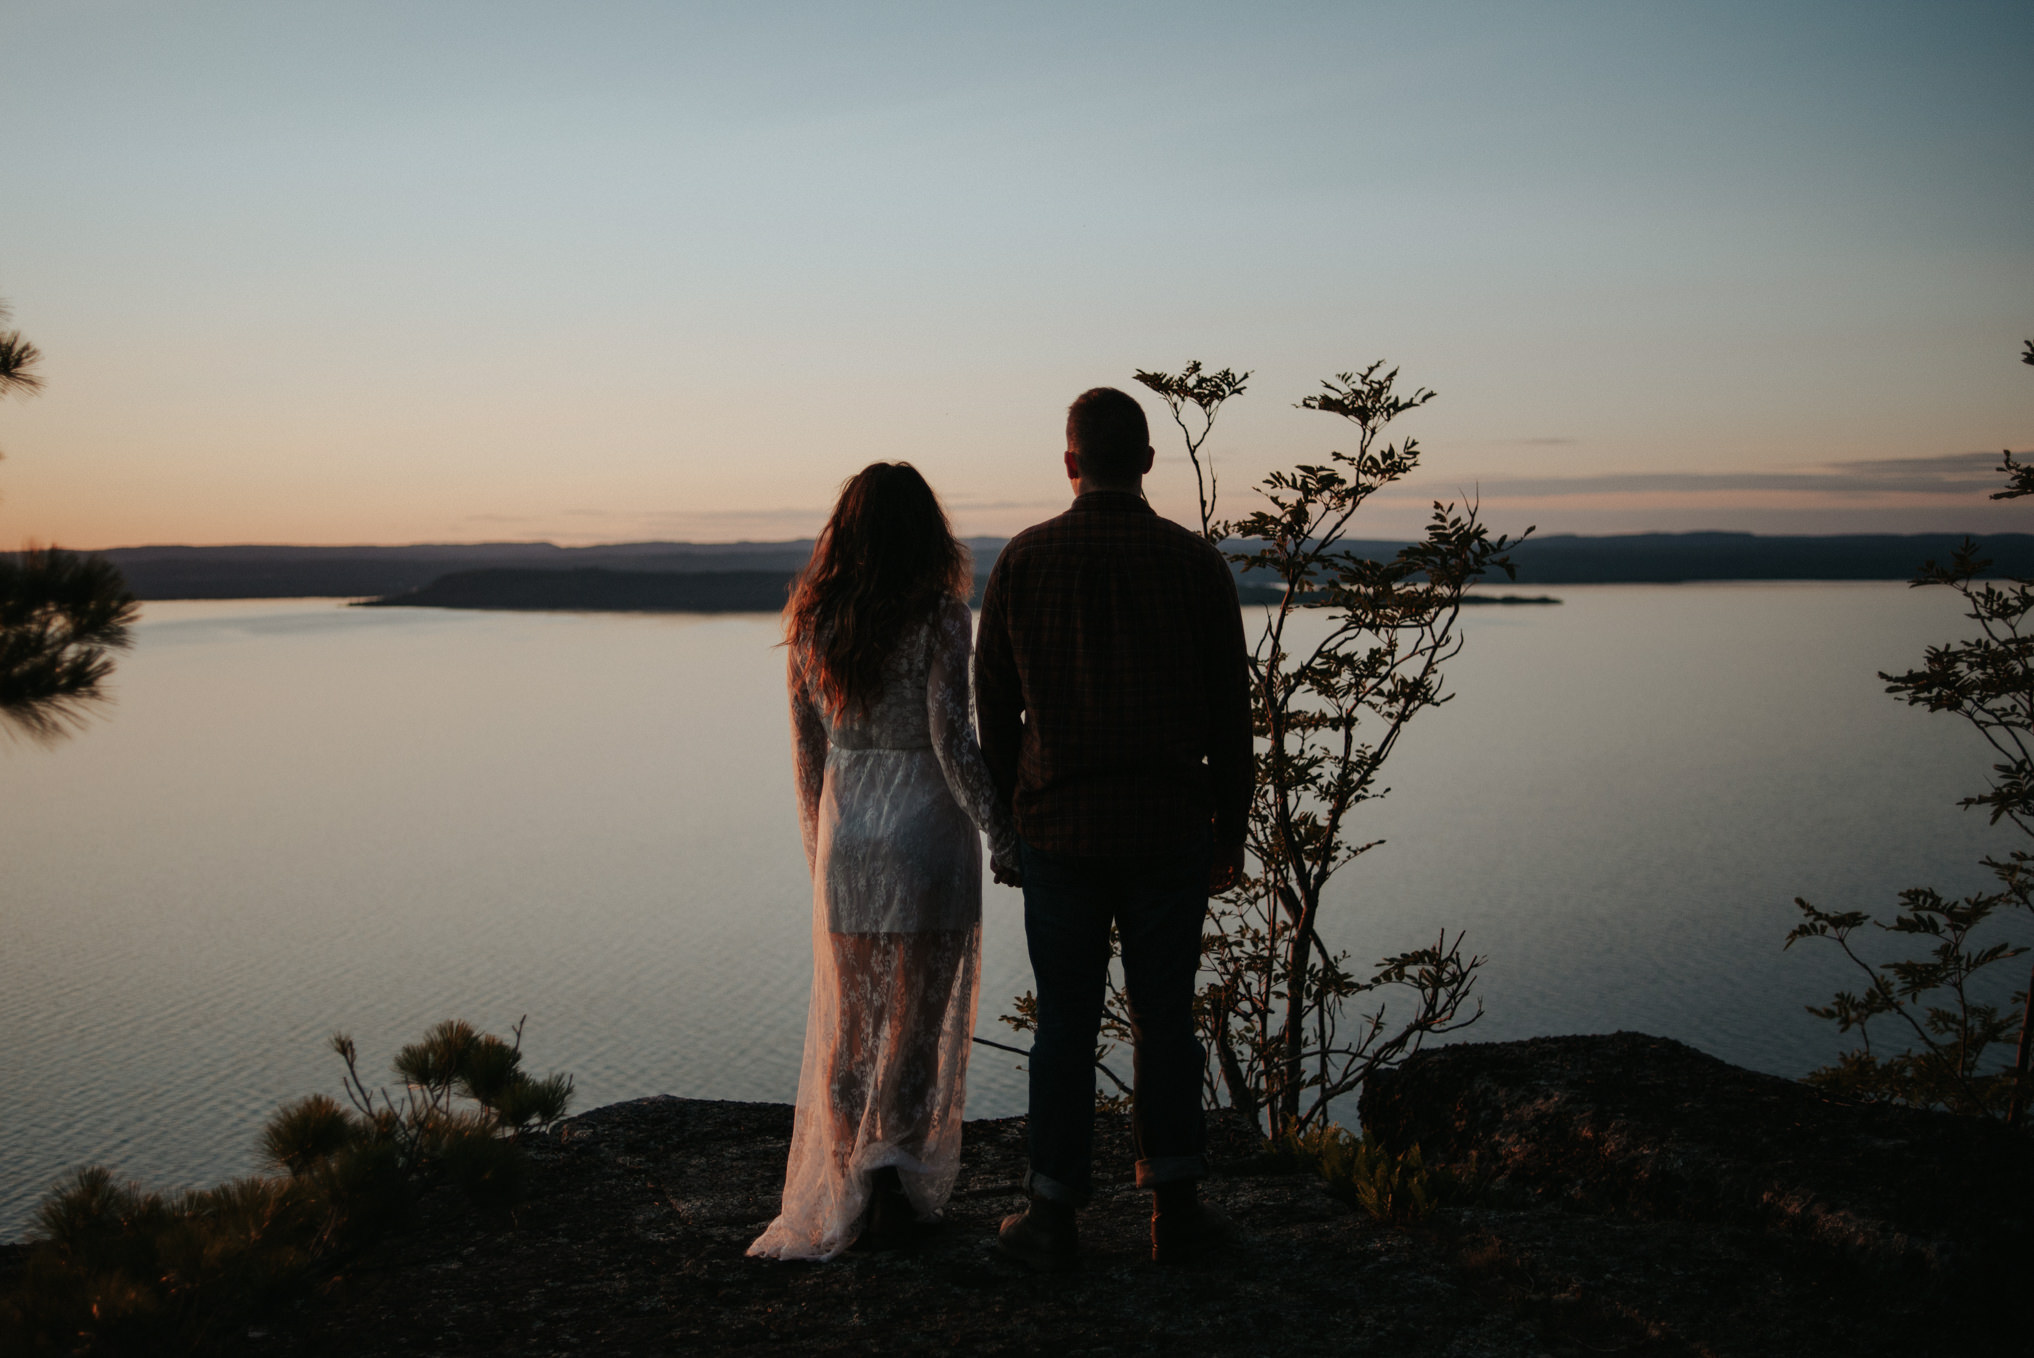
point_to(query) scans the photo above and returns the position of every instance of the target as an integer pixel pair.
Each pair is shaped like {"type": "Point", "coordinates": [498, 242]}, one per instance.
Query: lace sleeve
{"type": "Point", "coordinates": [808, 756]}
{"type": "Point", "coordinates": [953, 731]}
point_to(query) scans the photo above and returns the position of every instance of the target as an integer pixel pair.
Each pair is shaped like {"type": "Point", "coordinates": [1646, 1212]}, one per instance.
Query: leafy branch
{"type": "Point", "coordinates": [1328, 711]}
{"type": "Point", "coordinates": [61, 615]}
{"type": "Point", "coordinates": [1988, 680]}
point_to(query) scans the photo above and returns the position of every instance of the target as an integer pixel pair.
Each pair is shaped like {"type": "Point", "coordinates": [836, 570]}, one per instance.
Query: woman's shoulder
{"type": "Point", "coordinates": [950, 615]}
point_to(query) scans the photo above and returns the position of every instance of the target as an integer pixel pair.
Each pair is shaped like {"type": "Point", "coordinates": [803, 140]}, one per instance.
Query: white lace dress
{"type": "Point", "coordinates": [890, 801]}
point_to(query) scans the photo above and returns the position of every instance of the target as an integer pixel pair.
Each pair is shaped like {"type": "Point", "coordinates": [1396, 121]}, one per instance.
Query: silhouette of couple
{"type": "Point", "coordinates": [1112, 779]}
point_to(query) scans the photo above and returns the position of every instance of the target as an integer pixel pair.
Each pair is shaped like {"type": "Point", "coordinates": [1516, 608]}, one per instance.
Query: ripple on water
{"type": "Point", "coordinates": [301, 817]}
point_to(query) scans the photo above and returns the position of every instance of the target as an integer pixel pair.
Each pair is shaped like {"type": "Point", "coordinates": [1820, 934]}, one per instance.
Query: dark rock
{"type": "Point", "coordinates": [1652, 1128]}
{"type": "Point", "coordinates": [1624, 1195]}
{"type": "Point", "coordinates": [632, 1243]}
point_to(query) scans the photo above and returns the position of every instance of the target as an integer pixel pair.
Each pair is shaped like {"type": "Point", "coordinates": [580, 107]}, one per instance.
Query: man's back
{"type": "Point", "coordinates": [1115, 715]}
{"type": "Point", "coordinates": [1110, 677]}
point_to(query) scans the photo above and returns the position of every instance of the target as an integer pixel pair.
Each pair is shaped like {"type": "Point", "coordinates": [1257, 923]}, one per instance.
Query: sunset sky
{"type": "Point", "coordinates": [356, 272]}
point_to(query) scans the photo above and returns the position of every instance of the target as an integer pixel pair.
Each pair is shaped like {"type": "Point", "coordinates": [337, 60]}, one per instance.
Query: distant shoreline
{"type": "Point", "coordinates": [593, 589]}
{"type": "Point", "coordinates": [746, 576]}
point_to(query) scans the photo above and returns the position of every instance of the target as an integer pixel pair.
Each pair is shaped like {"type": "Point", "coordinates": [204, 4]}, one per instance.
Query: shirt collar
{"type": "Point", "coordinates": [1112, 502]}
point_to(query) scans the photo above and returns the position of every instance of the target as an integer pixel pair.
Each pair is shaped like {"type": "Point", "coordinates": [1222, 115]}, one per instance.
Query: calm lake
{"type": "Point", "coordinates": [302, 817]}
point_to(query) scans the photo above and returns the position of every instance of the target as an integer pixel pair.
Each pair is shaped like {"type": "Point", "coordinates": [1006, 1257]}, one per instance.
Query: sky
{"type": "Point", "coordinates": [381, 273]}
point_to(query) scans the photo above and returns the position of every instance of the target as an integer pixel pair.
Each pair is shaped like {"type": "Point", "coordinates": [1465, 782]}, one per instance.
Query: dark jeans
{"type": "Point", "coordinates": [1158, 904]}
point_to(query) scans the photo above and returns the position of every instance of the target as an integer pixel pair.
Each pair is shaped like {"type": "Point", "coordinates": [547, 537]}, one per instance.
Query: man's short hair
{"type": "Point", "coordinates": [1105, 428]}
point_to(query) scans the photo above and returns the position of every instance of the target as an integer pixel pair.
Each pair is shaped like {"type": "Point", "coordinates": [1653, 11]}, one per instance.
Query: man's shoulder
{"type": "Point", "coordinates": [1172, 541]}
{"type": "Point", "coordinates": [1183, 538]}
{"type": "Point", "coordinates": [1149, 545]}
{"type": "Point", "coordinates": [1070, 528]}
{"type": "Point", "coordinates": [1028, 539]}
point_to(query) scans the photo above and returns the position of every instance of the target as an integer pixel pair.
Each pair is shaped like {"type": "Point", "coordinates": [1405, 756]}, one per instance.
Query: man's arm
{"type": "Point", "coordinates": [999, 696]}
{"type": "Point", "coordinates": [1231, 767]}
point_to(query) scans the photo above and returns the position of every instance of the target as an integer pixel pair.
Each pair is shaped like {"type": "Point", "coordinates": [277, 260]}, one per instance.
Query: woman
{"type": "Point", "coordinates": [891, 791]}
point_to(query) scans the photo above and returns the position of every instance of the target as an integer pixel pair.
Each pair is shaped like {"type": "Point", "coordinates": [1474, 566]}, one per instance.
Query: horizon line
{"type": "Point", "coordinates": [973, 537]}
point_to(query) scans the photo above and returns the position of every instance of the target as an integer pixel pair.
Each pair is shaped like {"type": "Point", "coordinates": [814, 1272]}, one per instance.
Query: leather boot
{"type": "Point", "coordinates": [1183, 1228]}
{"type": "Point", "coordinates": [1042, 1236]}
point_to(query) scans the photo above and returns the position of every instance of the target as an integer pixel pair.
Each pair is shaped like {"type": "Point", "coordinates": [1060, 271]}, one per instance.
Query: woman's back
{"type": "Point", "coordinates": [895, 719]}
{"type": "Point", "coordinates": [902, 788]}
{"type": "Point", "coordinates": [891, 792]}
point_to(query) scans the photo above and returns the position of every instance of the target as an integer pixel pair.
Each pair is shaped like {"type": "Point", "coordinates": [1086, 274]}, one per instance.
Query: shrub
{"type": "Point", "coordinates": [1935, 999]}
{"type": "Point", "coordinates": [453, 1061]}
{"type": "Point", "coordinates": [117, 1269]}
{"type": "Point", "coordinates": [1939, 999]}
{"type": "Point", "coordinates": [1396, 1189]}
{"type": "Point", "coordinates": [306, 1132]}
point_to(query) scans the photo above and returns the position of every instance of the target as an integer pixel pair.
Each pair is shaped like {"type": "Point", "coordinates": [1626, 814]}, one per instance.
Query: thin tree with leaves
{"type": "Point", "coordinates": [1938, 1000]}
{"type": "Point", "coordinates": [1331, 697]}
{"type": "Point", "coordinates": [61, 615]}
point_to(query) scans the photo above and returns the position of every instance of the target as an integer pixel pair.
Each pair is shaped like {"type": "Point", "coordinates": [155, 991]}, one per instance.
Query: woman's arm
{"type": "Point", "coordinates": [998, 695]}
{"type": "Point", "coordinates": [808, 756]}
{"type": "Point", "coordinates": [953, 738]}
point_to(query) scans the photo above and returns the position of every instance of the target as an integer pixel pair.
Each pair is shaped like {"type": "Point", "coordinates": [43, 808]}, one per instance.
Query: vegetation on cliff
{"type": "Point", "coordinates": [1943, 1003]}
{"type": "Point", "coordinates": [1329, 707]}
{"type": "Point", "coordinates": [1610, 1195]}
{"type": "Point", "coordinates": [115, 1268]}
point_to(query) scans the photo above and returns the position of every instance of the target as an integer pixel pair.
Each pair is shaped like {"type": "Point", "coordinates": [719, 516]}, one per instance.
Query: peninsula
{"type": "Point", "coordinates": [678, 576]}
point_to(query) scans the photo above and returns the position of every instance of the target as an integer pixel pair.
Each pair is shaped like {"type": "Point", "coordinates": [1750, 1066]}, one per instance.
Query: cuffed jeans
{"type": "Point", "coordinates": [1158, 904]}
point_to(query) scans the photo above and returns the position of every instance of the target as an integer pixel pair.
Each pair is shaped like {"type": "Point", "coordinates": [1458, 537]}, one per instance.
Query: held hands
{"type": "Point", "coordinates": [1003, 866]}
{"type": "Point", "coordinates": [1224, 872]}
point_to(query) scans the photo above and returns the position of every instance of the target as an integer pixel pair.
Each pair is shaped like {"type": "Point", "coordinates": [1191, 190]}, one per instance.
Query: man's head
{"type": "Point", "coordinates": [1108, 444]}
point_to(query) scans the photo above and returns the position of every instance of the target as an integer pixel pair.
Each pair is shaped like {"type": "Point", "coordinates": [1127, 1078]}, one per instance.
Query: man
{"type": "Point", "coordinates": [1115, 715]}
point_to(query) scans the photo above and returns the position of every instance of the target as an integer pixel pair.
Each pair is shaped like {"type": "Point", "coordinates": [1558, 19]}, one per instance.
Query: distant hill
{"type": "Point", "coordinates": [1674, 558]}
{"type": "Point", "coordinates": [597, 589]}
{"type": "Point", "coordinates": [261, 572]}
{"type": "Point", "coordinates": [1687, 558]}
{"type": "Point", "coordinates": [380, 572]}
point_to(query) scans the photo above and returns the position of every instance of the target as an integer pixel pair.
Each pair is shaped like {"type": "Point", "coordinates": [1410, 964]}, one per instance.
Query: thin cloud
{"type": "Point", "coordinates": [1959, 474]}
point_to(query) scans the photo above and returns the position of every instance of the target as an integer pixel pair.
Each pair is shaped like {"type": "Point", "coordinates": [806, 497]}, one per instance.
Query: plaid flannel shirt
{"type": "Point", "coordinates": [1111, 683]}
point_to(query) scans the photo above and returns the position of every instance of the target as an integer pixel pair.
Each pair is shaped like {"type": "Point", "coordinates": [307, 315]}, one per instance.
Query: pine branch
{"type": "Point", "coordinates": [61, 617]}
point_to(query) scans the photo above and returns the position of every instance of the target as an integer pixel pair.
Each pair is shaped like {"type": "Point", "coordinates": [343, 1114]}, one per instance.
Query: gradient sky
{"type": "Point", "coordinates": [357, 272]}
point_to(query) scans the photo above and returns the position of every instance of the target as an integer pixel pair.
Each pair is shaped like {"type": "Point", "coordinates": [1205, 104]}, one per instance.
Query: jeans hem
{"type": "Point", "coordinates": [1170, 1169]}
{"type": "Point", "coordinates": [1052, 1190]}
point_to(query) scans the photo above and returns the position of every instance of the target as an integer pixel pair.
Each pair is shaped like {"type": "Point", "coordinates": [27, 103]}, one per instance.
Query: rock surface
{"type": "Point", "coordinates": [632, 1243]}
{"type": "Point", "coordinates": [1652, 1128]}
{"type": "Point", "coordinates": [1605, 1240]}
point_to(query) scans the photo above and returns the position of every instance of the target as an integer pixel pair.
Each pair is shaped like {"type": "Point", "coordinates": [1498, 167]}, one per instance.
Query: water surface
{"type": "Point", "coordinates": [302, 817]}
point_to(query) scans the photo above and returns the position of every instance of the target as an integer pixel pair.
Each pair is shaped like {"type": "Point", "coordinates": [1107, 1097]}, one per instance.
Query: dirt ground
{"type": "Point", "coordinates": [632, 1238]}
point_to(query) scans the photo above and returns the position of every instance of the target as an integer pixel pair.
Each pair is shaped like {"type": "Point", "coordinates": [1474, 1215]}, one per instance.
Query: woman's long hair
{"type": "Point", "coordinates": [884, 559]}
